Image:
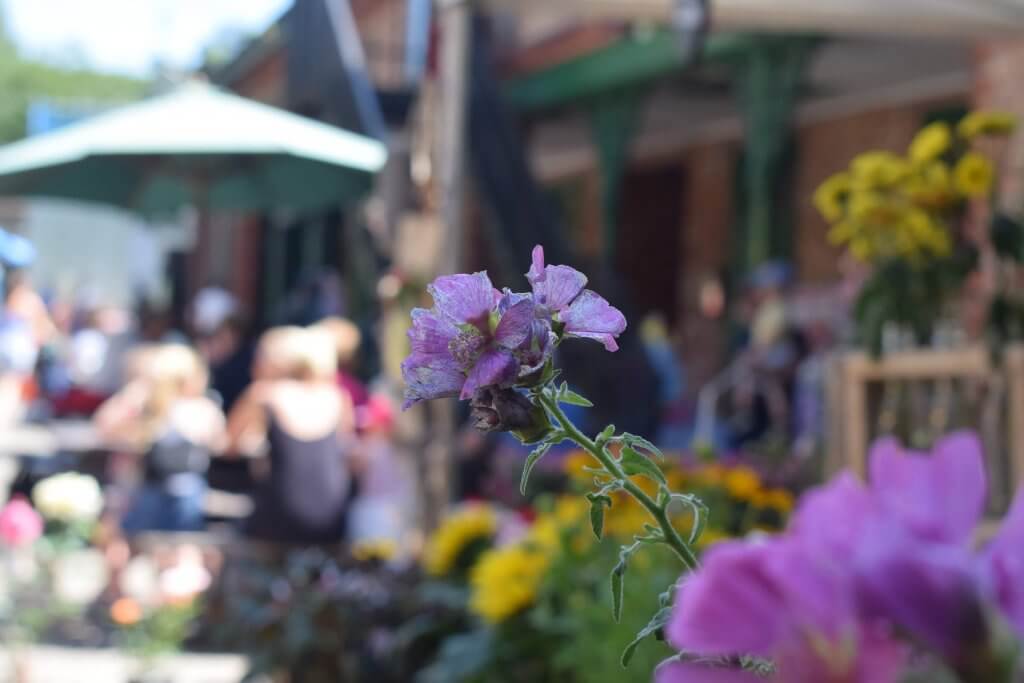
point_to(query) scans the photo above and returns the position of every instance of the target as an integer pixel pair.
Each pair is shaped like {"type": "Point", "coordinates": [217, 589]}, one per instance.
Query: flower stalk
{"type": "Point", "coordinates": [669, 535]}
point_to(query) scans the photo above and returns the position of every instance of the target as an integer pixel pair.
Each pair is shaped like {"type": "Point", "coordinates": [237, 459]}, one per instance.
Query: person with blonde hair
{"type": "Point", "coordinates": [296, 420]}
{"type": "Point", "coordinates": [163, 414]}
{"type": "Point", "coordinates": [347, 339]}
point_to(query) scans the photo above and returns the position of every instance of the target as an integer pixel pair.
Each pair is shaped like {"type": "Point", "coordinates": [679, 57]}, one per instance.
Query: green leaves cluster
{"type": "Point", "coordinates": [620, 457]}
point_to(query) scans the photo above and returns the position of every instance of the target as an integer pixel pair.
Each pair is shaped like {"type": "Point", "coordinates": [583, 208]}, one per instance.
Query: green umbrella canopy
{"type": "Point", "coordinates": [194, 145]}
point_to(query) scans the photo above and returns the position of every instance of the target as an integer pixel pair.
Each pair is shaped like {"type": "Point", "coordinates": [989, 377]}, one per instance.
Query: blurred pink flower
{"type": "Point", "coordinates": [20, 524]}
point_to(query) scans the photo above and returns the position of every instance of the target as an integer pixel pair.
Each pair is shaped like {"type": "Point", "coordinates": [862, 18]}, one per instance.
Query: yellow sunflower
{"type": "Point", "coordinates": [471, 525]}
{"type": "Point", "coordinates": [979, 123]}
{"type": "Point", "coordinates": [831, 195]}
{"type": "Point", "coordinates": [932, 187]}
{"type": "Point", "coordinates": [974, 175]}
{"type": "Point", "coordinates": [931, 142]}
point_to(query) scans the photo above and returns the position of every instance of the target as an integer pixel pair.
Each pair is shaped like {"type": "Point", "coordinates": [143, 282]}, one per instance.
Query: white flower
{"type": "Point", "coordinates": [68, 497]}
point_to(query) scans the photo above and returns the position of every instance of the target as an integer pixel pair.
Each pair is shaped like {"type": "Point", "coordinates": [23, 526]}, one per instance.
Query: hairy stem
{"type": "Point", "coordinates": [671, 536]}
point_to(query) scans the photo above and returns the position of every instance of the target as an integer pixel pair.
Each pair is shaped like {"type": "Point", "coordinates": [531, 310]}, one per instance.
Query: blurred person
{"type": "Point", "coordinates": [220, 329]}
{"type": "Point", "coordinates": [95, 360]}
{"type": "Point", "coordinates": [298, 424]}
{"type": "Point", "coordinates": [164, 414]}
{"type": "Point", "coordinates": [382, 508]}
{"type": "Point", "coordinates": [347, 340]}
{"type": "Point", "coordinates": [25, 326]}
{"type": "Point", "coordinates": [230, 355]}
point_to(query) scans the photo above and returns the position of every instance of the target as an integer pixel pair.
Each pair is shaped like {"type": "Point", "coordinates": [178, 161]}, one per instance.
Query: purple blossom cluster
{"type": "Point", "coordinates": [476, 337]}
{"type": "Point", "coordinates": [865, 580]}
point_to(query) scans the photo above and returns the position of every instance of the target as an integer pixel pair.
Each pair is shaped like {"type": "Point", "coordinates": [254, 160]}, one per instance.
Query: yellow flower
{"type": "Point", "coordinates": [974, 175]}
{"type": "Point", "coordinates": [980, 123]}
{"type": "Point", "coordinates": [830, 196]}
{"type": "Point", "coordinates": [862, 249]}
{"type": "Point", "coordinates": [711, 537]}
{"type": "Point", "coordinates": [471, 525]}
{"type": "Point", "coordinates": [710, 475]}
{"type": "Point", "coordinates": [505, 581]}
{"type": "Point", "coordinates": [575, 465]}
{"type": "Point", "coordinates": [932, 187]}
{"type": "Point", "coordinates": [379, 549]}
{"type": "Point", "coordinates": [742, 482]}
{"type": "Point", "coordinates": [780, 500]}
{"type": "Point", "coordinates": [878, 170]}
{"type": "Point", "coordinates": [842, 232]}
{"type": "Point", "coordinates": [931, 142]}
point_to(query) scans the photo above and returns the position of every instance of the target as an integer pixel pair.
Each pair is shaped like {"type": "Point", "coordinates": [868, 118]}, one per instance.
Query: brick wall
{"type": "Point", "coordinates": [706, 248]}
{"type": "Point", "coordinates": [997, 85]}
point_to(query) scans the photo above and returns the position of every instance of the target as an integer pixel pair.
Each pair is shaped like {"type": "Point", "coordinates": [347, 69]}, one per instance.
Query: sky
{"type": "Point", "coordinates": [129, 36]}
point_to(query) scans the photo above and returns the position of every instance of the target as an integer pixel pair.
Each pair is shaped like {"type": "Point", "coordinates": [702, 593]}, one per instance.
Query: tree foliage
{"type": "Point", "coordinates": [23, 81]}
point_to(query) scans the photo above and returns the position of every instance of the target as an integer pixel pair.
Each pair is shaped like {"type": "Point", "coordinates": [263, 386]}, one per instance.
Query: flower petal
{"type": "Point", "coordinates": [429, 377]}
{"type": "Point", "coordinates": [496, 367]}
{"type": "Point", "coordinates": [731, 606]}
{"type": "Point", "coordinates": [834, 517]}
{"type": "Point", "coordinates": [938, 498]}
{"type": "Point", "coordinates": [536, 272]}
{"type": "Point", "coordinates": [559, 286]}
{"type": "Point", "coordinates": [1003, 566]}
{"type": "Point", "coordinates": [591, 317]}
{"type": "Point", "coordinates": [516, 324]}
{"type": "Point", "coordinates": [430, 334]}
{"type": "Point", "coordinates": [464, 298]}
{"type": "Point", "coordinates": [927, 589]}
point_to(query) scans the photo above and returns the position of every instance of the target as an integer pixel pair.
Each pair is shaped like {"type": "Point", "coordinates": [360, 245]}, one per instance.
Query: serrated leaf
{"type": "Point", "coordinates": [700, 514]}
{"type": "Point", "coordinates": [606, 435]}
{"type": "Point", "coordinates": [574, 399]}
{"type": "Point", "coordinates": [598, 503]}
{"type": "Point", "coordinates": [531, 460]}
{"type": "Point", "coordinates": [643, 444]}
{"type": "Point", "coordinates": [657, 622]}
{"type": "Point", "coordinates": [618, 578]}
{"type": "Point", "coordinates": [634, 463]}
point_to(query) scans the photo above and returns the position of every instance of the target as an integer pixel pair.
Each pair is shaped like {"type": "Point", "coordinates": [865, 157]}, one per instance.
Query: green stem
{"type": "Point", "coordinates": [671, 537]}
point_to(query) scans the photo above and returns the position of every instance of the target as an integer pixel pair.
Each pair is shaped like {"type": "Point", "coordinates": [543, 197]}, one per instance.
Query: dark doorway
{"type": "Point", "coordinates": [648, 253]}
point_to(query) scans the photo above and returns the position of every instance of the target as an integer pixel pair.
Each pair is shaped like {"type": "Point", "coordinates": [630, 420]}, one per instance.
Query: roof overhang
{"type": "Point", "coordinates": [938, 18]}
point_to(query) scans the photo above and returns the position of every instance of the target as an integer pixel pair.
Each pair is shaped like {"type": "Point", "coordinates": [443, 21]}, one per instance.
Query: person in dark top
{"type": "Point", "coordinates": [230, 356]}
{"type": "Point", "coordinates": [295, 422]}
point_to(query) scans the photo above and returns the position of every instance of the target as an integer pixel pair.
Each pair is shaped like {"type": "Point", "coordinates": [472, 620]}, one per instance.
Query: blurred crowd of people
{"type": "Point", "coordinates": [288, 407]}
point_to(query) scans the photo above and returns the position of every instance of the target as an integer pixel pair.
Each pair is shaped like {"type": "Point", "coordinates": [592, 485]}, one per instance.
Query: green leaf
{"type": "Point", "coordinates": [634, 463]}
{"type": "Point", "coordinates": [605, 436]}
{"type": "Point", "coordinates": [618, 577]}
{"type": "Point", "coordinates": [531, 460]}
{"type": "Point", "coordinates": [657, 622]}
{"type": "Point", "coordinates": [641, 443]}
{"type": "Point", "coordinates": [700, 513]}
{"type": "Point", "coordinates": [574, 399]}
{"type": "Point", "coordinates": [598, 503]}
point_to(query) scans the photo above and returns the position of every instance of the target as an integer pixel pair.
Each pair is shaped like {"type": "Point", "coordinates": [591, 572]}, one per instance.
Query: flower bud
{"type": "Point", "coordinates": [507, 410]}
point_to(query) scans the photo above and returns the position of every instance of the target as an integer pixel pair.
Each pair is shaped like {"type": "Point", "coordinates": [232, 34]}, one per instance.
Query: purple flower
{"type": "Point", "coordinates": [857, 565]}
{"type": "Point", "coordinates": [559, 293]}
{"type": "Point", "coordinates": [784, 601]}
{"type": "Point", "coordinates": [1002, 566]}
{"type": "Point", "coordinates": [474, 337]}
{"type": "Point", "coordinates": [939, 497]}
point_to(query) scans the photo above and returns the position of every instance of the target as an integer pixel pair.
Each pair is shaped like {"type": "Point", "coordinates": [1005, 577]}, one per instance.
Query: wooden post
{"type": "Point", "coordinates": [455, 18]}
{"type": "Point", "coordinates": [1014, 364]}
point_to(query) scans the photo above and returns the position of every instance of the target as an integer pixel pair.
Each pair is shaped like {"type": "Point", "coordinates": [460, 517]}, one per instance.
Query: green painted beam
{"type": "Point", "coordinates": [631, 61]}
